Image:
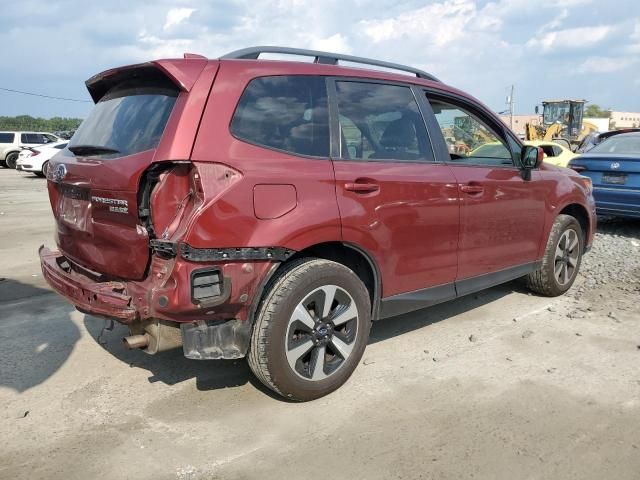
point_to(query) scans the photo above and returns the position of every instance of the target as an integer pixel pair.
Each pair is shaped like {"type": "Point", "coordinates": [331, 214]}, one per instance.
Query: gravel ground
{"type": "Point", "coordinates": [614, 259]}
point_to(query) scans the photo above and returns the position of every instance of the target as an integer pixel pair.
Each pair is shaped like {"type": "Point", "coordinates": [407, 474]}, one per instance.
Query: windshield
{"type": "Point", "coordinates": [556, 112]}
{"type": "Point", "coordinates": [130, 118]}
{"type": "Point", "coordinates": [620, 144]}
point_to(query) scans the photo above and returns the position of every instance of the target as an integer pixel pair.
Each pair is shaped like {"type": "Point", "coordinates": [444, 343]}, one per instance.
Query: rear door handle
{"type": "Point", "coordinates": [361, 187]}
{"type": "Point", "coordinates": [472, 189]}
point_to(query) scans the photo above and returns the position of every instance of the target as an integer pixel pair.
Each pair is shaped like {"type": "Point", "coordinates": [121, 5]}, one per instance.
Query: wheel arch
{"type": "Point", "coordinates": [355, 258]}
{"type": "Point", "coordinates": [580, 213]}
{"type": "Point", "coordinates": [347, 254]}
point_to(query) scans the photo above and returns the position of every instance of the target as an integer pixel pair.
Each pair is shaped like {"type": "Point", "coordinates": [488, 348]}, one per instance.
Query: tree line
{"type": "Point", "coordinates": [27, 122]}
{"type": "Point", "coordinates": [595, 111]}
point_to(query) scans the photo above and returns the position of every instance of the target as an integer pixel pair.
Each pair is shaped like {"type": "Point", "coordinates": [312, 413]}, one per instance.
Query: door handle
{"type": "Point", "coordinates": [472, 189]}
{"type": "Point", "coordinates": [361, 187]}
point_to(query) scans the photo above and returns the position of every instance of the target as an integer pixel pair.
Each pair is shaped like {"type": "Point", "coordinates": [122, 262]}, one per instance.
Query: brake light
{"type": "Point", "coordinates": [577, 168]}
{"type": "Point", "coordinates": [35, 152]}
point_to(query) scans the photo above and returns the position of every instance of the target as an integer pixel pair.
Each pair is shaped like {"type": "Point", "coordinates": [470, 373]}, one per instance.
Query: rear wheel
{"type": "Point", "coordinates": [12, 159]}
{"type": "Point", "coordinates": [562, 258]}
{"type": "Point", "coordinates": [311, 329]}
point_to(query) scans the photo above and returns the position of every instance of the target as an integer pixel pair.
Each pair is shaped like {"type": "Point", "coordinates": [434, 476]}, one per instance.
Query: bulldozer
{"type": "Point", "coordinates": [561, 120]}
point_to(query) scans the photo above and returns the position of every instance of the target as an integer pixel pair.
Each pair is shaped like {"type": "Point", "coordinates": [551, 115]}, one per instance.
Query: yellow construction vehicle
{"type": "Point", "coordinates": [561, 119]}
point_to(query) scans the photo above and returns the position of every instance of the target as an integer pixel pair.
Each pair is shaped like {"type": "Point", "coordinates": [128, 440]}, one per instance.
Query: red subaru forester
{"type": "Point", "coordinates": [273, 209]}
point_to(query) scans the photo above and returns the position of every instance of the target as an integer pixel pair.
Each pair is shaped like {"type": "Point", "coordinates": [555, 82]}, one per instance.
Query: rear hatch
{"type": "Point", "coordinates": [615, 178]}
{"type": "Point", "coordinates": [612, 171]}
{"type": "Point", "coordinates": [93, 183]}
{"type": "Point", "coordinates": [613, 164]}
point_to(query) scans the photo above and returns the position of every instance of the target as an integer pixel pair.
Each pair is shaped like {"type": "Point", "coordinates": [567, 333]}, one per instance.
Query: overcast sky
{"type": "Point", "coordinates": [546, 48]}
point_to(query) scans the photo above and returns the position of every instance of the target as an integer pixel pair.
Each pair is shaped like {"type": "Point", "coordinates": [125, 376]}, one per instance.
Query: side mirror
{"type": "Point", "coordinates": [531, 157]}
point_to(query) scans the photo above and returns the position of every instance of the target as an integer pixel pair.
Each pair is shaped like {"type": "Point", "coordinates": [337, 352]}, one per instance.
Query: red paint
{"type": "Point", "coordinates": [501, 219]}
{"type": "Point", "coordinates": [409, 225]}
{"type": "Point", "coordinates": [273, 201]}
{"type": "Point", "coordinates": [423, 224]}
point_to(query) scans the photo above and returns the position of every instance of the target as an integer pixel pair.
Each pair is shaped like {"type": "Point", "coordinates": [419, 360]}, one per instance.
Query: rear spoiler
{"type": "Point", "coordinates": [183, 72]}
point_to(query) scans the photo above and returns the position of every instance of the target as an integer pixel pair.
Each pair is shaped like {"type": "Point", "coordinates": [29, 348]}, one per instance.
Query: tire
{"type": "Point", "coordinates": [562, 258]}
{"type": "Point", "coordinates": [45, 170]}
{"type": "Point", "coordinates": [289, 338]}
{"type": "Point", "coordinates": [11, 160]}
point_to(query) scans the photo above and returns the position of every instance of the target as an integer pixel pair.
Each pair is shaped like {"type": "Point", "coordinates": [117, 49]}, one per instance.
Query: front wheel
{"type": "Point", "coordinates": [562, 258]}
{"type": "Point", "coordinates": [311, 329]}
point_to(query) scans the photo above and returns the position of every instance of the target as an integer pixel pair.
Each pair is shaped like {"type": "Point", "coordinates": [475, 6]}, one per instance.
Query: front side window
{"type": "Point", "coordinates": [469, 140]}
{"type": "Point", "coordinates": [380, 122]}
{"type": "Point", "coordinates": [286, 113]}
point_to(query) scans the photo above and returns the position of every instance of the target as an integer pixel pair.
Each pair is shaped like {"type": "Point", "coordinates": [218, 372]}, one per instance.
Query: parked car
{"type": "Point", "coordinates": [65, 134]}
{"type": "Point", "coordinates": [12, 142]}
{"type": "Point", "coordinates": [593, 139]}
{"type": "Point", "coordinates": [555, 153]}
{"type": "Point", "coordinates": [272, 209]}
{"type": "Point", "coordinates": [614, 168]}
{"type": "Point", "coordinates": [36, 159]}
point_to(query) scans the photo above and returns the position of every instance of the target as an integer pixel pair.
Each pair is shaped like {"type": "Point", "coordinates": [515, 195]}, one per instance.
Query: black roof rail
{"type": "Point", "coordinates": [324, 58]}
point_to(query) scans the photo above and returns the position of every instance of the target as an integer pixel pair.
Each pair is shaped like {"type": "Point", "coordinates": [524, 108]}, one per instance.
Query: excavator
{"type": "Point", "coordinates": [561, 120]}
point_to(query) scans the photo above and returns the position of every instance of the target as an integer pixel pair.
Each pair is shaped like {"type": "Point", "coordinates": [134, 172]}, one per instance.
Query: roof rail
{"type": "Point", "coordinates": [324, 58]}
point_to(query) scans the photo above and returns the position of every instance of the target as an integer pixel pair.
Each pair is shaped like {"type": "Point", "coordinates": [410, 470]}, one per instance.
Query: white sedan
{"type": "Point", "coordinates": [36, 159]}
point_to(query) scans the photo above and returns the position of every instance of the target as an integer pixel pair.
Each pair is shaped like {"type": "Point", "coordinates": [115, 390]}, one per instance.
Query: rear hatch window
{"type": "Point", "coordinates": [96, 178]}
{"type": "Point", "coordinates": [129, 119]}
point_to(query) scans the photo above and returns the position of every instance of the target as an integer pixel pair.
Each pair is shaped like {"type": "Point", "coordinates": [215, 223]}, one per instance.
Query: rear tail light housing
{"type": "Point", "coordinates": [171, 192]}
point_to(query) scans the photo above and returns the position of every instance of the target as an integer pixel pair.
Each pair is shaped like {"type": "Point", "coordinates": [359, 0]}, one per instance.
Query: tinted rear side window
{"type": "Point", "coordinates": [33, 138]}
{"type": "Point", "coordinates": [7, 137]}
{"type": "Point", "coordinates": [286, 113]}
{"type": "Point", "coordinates": [380, 122]}
{"type": "Point", "coordinates": [130, 118]}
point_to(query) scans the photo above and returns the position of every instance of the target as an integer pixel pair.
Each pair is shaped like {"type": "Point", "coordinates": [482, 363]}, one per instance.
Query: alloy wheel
{"type": "Point", "coordinates": [11, 160]}
{"type": "Point", "coordinates": [566, 257]}
{"type": "Point", "coordinates": [321, 333]}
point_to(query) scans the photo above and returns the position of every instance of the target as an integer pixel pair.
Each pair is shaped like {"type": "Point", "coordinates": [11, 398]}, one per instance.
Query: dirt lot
{"type": "Point", "coordinates": [502, 384]}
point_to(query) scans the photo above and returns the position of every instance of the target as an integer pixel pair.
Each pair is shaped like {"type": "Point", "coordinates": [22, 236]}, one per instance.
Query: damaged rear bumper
{"type": "Point", "coordinates": [106, 299]}
{"type": "Point", "coordinates": [162, 311]}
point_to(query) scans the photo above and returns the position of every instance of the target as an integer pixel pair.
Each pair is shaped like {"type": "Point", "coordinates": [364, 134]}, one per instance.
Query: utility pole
{"type": "Point", "coordinates": [510, 102]}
